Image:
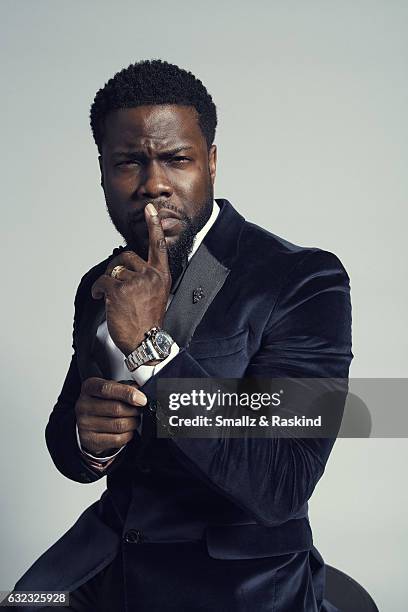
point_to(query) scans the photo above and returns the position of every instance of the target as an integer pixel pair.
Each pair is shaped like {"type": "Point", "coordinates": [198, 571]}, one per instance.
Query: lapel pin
{"type": "Point", "coordinates": [198, 293]}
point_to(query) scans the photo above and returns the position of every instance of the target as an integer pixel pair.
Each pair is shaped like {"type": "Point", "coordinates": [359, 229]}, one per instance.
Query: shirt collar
{"type": "Point", "coordinates": [199, 237]}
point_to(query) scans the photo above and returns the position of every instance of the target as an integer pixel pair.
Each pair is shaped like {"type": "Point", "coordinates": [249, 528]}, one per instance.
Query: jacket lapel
{"type": "Point", "coordinates": [202, 280]}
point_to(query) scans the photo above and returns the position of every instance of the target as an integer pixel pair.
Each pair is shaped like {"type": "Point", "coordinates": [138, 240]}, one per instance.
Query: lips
{"type": "Point", "coordinates": [168, 214]}
{"type": "Point", "coordinates": [171, 222]}
{"type": "Point", "coordinates": [138, 216]}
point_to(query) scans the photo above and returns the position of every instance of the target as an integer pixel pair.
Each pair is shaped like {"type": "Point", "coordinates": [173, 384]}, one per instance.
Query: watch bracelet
{"type": "Point", "coordinates": [147, 349]}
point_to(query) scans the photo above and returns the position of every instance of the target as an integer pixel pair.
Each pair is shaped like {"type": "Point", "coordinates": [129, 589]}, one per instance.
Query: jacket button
{"type": "Point", "coordinates": [133, 536]}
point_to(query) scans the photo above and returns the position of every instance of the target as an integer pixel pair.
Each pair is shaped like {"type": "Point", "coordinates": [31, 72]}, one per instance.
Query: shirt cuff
{"type": "Point", "coordinates": [144, 372]}
{"type": "Point", "coordinates": [93, 457]}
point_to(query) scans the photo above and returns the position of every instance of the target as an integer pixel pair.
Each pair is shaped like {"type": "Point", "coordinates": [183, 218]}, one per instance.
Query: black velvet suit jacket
{"type": "Point", "coordinates": [271, 309]}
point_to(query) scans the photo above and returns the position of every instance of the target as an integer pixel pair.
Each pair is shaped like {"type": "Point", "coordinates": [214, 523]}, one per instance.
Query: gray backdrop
{"type": "Point", "coordinates": [312, 99]}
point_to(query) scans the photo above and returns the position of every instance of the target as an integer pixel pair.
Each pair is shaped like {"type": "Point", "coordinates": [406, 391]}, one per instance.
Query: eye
{"type": "Point", "coordinates": [179, 159]}
{"type": "Point", "coordinates": [128, 162]}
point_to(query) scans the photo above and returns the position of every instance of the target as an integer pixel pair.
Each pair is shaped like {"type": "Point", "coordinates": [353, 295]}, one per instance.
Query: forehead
{"type": "Point", "coordinates": [159, 125]}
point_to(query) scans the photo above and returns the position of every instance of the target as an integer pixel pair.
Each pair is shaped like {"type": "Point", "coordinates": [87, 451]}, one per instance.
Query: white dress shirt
{"type": "Point", "coordinates": [116, 360]}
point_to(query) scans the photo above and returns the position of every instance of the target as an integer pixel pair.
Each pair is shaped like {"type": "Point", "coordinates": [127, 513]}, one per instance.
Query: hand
{"type": "Point", "coordinates": [107, 413]}
{"type": "Point", "coordinates": [136, 301]}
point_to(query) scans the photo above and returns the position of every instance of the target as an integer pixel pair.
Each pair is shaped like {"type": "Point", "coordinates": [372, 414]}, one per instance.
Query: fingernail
{"type": "Point", "coordinates": [151, 210]}
{"type": "Point", "coordinates": [139, 398]}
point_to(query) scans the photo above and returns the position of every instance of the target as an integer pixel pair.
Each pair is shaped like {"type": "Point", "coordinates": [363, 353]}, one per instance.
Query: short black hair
{"type": "Point", "coordinates": [150, 82]}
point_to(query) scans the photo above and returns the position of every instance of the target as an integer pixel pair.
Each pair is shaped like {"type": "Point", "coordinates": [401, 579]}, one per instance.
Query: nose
{"type": "Point", "coordinates": [154, 182]}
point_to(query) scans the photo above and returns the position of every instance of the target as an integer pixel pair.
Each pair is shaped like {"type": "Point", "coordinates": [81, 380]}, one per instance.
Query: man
{"type": "Point", "coordinates": [197, 292]}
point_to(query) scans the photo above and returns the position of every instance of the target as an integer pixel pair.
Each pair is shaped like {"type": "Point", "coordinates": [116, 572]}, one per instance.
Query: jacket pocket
{"type": "Point", "coordinates": [217, 347]}
{"type": "Point", "coordinates": [257, 541]}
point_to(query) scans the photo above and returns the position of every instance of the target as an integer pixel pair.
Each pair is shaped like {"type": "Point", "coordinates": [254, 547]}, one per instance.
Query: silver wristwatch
{"type": "Point", "coordinates": [156, 346]}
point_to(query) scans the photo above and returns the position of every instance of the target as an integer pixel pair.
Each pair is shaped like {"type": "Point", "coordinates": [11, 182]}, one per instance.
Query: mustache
{"type": "Point", "coordinates": [138, 216]}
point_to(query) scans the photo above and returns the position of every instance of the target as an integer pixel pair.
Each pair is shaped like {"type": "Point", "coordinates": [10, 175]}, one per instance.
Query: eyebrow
{"type": "Point", "coordinates": [141, 154]}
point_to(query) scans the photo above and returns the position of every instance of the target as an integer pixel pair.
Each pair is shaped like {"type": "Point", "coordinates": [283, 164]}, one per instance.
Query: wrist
{"type": "Point", "coordinates": [129, 347]}
{"type": "Point", "coordinates": [154, 348]}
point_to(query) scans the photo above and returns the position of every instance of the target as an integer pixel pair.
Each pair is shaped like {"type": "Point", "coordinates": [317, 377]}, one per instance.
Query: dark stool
{"type": "Point", "coordinates": [346, 594]}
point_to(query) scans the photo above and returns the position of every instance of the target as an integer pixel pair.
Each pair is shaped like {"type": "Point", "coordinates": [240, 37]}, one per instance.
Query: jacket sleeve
{"type": "Point", "coordinates": [60, 433]}
{"type": "Point", "coordinates": [307, 335]}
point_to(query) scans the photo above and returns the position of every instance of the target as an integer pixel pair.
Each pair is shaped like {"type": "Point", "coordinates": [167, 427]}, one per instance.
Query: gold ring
{"type": "Point", "coordinates": [116, 271]}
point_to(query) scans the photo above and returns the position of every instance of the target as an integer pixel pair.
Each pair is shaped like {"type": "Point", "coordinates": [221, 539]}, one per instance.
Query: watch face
{"type": "Point", "coordinates": [163, 342]}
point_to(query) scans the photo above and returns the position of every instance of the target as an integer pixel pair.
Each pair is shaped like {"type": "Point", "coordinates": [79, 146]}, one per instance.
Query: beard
{"type": "Point", "coordinates": [136, 234]}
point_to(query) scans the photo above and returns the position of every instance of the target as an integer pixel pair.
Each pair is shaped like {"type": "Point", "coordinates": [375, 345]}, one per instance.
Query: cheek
{"type": "Point", "coordinates": [120, 183]}
{"type": "Point", "coordinates": [117, 198]}
{"type": "Point", "coordinates": [196, 185]}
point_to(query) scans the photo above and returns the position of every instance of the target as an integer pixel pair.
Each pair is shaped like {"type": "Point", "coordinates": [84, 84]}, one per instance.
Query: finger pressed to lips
{"type": "Point", "coordinates": [157, 246]}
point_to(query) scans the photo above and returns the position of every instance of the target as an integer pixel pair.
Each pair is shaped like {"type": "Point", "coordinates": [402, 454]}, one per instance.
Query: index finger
{"type": "Point", "coordinates": [157, 243]}
{"type": "Point", "coordinates": [112, 390]}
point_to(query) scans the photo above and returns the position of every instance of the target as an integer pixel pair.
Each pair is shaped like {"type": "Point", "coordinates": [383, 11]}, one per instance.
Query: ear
{"type": "Point", "coordinates": [212, 162]}
{"type": "Point", "coordinates": [101, 169]}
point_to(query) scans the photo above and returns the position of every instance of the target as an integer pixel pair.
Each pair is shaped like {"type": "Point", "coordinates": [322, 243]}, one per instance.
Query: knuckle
{"type": "Point", "coordinates": [161, 243]}
{"type": "Point", "coordinates": [80, 422]}
{"type": "Point", "coordinates": [127, 256]}
{"type": "Point", "coordinates": [116, 409]}
{"type": "Point", "coordinates": [119, 440]}
{"type": "Point", "coordinates": [166, 276]}
{"type": "Point", "coordinates": [120, 425]}
{"type": "Point", "coordinates": [127, 437]}
{"type": "Point", "coordinates": [81, 407]}
{"type": "Point", "coordinates": [87, 385]}
{"type": "Point", "coordinates": [156, 279]}
{"type": "Point", "coordinates": [82, 434]}
{"type": "Point", "coordinates": [106, 389]}
{"type": "Point", "coordinates": [90, 440]}
{"type": "Point", "coordinates": [90, 384]}
{"type": "Point", "coordinates": [123, 288]}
